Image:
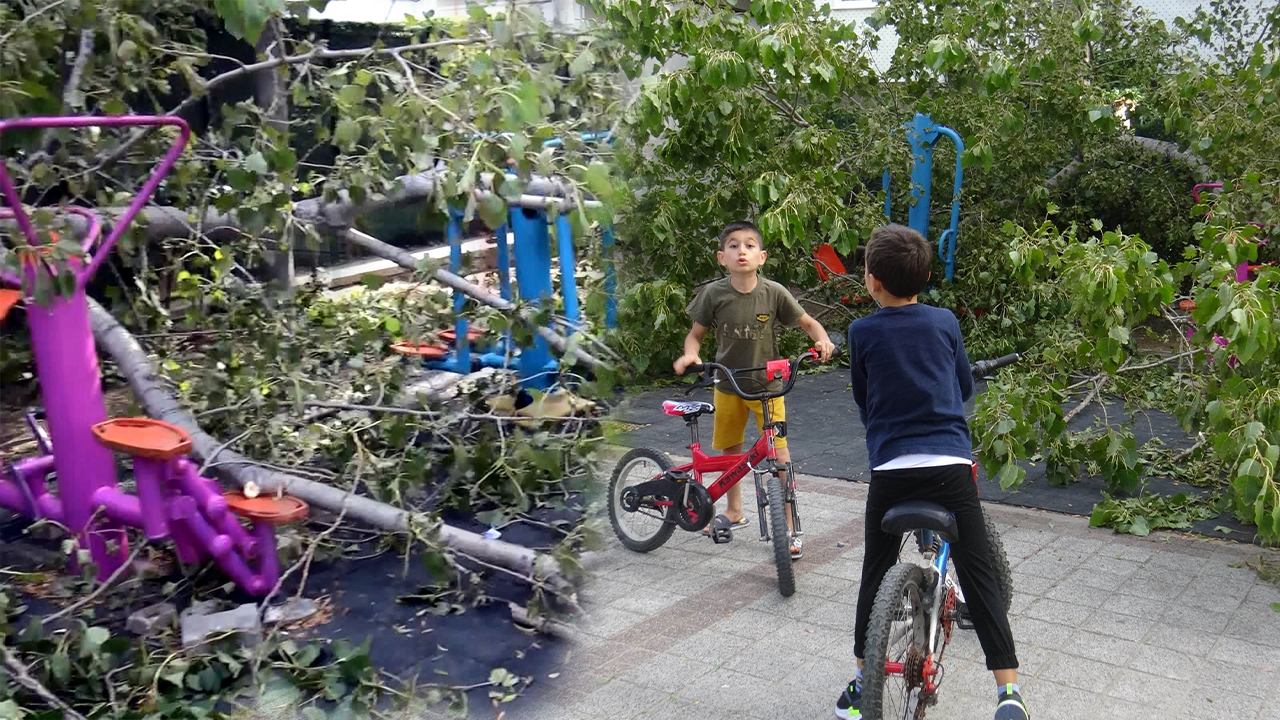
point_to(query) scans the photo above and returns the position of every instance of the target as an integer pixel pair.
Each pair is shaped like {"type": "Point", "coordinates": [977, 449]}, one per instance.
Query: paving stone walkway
{"type": "Point", "coordinates": [1107, 625]}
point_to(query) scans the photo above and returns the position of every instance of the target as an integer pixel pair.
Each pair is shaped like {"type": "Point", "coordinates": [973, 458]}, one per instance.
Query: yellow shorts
{"type": "Point", "coordinates": [731, 419]}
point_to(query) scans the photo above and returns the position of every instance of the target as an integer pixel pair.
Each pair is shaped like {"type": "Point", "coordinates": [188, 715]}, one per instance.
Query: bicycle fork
{"type": "Point", "coordinates": [937, 602]}
{"type": "Point", "coordinates": [789, 497]}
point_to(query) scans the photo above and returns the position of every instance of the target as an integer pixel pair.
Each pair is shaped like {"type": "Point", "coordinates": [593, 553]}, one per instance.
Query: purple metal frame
{"type": "Point", "coordinates": [173, 500]}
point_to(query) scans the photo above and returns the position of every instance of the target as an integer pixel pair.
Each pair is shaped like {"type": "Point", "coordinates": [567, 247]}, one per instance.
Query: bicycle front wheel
{"type": "Point", "coordinates": [781, 538]}
{"type": "Point", "coordinates": [1004, 574]}
{"type": "Point", "coordinates": [897, 645]}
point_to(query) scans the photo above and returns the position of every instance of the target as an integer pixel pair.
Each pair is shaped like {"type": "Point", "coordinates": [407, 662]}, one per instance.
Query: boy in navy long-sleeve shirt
{"type": "Point", "coordinates": [911, 378]}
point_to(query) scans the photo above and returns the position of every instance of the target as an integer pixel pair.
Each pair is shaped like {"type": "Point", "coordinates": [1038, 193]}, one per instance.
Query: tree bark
{"type": "Point", "coordinates": [169, 222]}
{"type": "Point", "coordinates": [1163, 148]}
{"type": "Point", "coordinates": [271, 93]}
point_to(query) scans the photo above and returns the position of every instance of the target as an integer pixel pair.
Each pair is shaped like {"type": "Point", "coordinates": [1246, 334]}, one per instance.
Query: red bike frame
{"type": "Point", "coordinates": [732, 468]}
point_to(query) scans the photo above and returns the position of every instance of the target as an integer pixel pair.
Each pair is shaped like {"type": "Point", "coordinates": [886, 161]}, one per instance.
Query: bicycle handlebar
{"type": "Point", "coordinates": [792, 366]}
{"type": "Point", "coordinates": [984, 367]}
{"type": "Point", "coordinates": [10, 193]}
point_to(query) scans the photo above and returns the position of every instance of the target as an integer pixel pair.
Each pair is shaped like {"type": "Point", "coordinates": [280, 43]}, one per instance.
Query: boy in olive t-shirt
{"type": "Point", "coordinates": [747, 313]}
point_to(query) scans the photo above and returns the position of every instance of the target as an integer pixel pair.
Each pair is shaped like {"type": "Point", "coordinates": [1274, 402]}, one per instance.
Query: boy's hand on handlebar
{"type": "Point", "coordinates": [825, 348]}
{"type": "Point", "coordinates": [685, 361]}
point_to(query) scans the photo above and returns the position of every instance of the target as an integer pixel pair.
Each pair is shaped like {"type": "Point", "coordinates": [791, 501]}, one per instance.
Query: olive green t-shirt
{"type": "Point", "coordinates": [746, 326]}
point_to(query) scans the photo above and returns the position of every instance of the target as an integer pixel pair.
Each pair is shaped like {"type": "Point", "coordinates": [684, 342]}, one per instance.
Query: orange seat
{"type": "Point", "coordinates": [8, 298]}
{"type": "Point", "coordinates": [473, 333]}
{"type": "Point", "coordinates": [143, 437]}
{"type": "Point", "coordinates": [283, 510]}
{"type": "Point", "coordinates": [827, 261]}
{"type": "Point", "coordinates": [429, 351]}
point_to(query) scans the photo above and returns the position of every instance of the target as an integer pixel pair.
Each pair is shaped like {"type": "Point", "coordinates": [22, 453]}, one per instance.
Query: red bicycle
{"type": "Point", "coordinates": [666, 497]}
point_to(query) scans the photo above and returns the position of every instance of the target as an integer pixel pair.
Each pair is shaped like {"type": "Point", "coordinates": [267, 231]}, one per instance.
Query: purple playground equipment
{"type": "Point", "coordinates": [173, 500]}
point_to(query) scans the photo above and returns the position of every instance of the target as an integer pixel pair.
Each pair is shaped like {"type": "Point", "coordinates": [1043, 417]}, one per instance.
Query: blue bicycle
{"type": "Point", "coordinates": [917, 607]}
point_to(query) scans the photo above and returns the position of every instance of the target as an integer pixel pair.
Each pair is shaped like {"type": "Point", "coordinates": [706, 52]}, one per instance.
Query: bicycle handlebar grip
{"type": "Point", "coordinates": [695, 368]}
{"type": "Point", "coordinates": [984, 367]}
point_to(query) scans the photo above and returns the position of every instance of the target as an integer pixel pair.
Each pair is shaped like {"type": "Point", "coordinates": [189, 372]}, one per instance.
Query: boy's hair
{"type": "Point", "coordinates": [900, 259]}
{"type": "Point", "coordinates": [737, 225]}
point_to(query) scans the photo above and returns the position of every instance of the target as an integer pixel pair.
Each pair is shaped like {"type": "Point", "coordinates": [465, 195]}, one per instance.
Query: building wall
{"type": "Point", "coordinates": [565, 12]}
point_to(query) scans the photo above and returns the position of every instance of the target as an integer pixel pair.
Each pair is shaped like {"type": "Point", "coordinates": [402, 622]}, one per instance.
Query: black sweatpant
{"type": "Point", "coordinates": [953, 487]}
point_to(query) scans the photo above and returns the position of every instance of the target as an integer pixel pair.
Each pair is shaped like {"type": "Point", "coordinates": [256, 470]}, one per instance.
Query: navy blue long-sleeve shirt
{"type": "Point", "coordinates": [910, 380]}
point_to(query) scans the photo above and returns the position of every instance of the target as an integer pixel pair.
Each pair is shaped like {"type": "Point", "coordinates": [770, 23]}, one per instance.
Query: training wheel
{"type": "Point", "coordinates": [143, 437]}
{"type": "Point", "coordinates": [427, 351]}
{"type": "Point", "coordinates": [270, 509]}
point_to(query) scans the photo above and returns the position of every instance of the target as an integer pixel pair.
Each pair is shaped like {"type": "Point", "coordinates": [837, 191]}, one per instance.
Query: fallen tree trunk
{"type": "Point", "coordinates": [1163, 148]}
{"type": "Point", "coordinates": [406, 260]}
{"type": "Point", "coordinates": [136, 366]}
{"type": "Point", "coordinates": [162, 222]}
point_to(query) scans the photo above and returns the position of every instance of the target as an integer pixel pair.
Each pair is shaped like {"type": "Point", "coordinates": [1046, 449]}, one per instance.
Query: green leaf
{"type": "Point", "coordinates": [598, 181]}
{"type": "Point", "coordinates": [256, 163]}
{"type": "Point", "coordinates": [530, 102]}
{"type": "Point", "coordinates": [1011, 476]}
{"type": "Point", "coordinates": [347, 132]}
{"type": "Point", "coordinates": [60, 667]}
{"type": "Point", "coordinates": [314, 713]}
{"type": "Point", "coordinates": [583, 63]}
{"type": "Point", "coordinates": [1139, 526]}
{"type": "Point", "coordinates": [351, 94]}
{"type": "Point", "coordinates": [492, 210]}
{"type": "Point", "coordinates": [95, 636]}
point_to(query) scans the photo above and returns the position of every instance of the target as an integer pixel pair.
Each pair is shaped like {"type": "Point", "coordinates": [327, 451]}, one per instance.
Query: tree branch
{"type": "Point", "coordinates": [458, 284]}
{"type": "Point", "coordinates": [69, 92]}
{"type": "Point", "coordinates": [319, 52]}
{"type": "Point", "coordinates": [29, 18]}
{"type": "Point", "coordinates": [1087, 399]}
{"type": "Point", "coordinates": [102, 587]}
{"type": "Point", "coordinates": [1163, 148]}
{"type": "Point", "coordinates": [23, 675]}
{"type": "Point", "coordinates": [791, 113]}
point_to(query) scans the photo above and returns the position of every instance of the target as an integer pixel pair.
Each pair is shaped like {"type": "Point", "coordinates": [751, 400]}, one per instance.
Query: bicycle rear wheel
{"type": "Point", "coordinates": [898, 634]}
{"type": "Point", "coordinates": [648, 527]}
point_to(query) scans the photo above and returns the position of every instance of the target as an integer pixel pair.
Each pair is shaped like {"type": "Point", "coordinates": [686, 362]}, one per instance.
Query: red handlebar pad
{"type": "Point", "coordinates": [781, 367]}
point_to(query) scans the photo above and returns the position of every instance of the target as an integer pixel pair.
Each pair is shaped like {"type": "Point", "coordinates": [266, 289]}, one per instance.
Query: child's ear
{"type": "Point", "coordinates": [764, 255]}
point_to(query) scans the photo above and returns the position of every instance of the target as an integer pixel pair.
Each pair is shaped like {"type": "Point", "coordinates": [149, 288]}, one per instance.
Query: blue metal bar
{"type": "Point", "coordinates": [921, 134]}
{"type": "Point", "coordinates": [568, 281]}
{"type": "Point", "coordinates": [610, 281]}
{"type": "Point", "coordinates": [885, 185]}
{"type": "Point", "coordinates": [954, 230]}
{"type": "Point", "coordinates": [532, 251]}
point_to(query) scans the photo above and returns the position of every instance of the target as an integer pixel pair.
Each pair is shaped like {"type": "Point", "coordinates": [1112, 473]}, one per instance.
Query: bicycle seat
{"type": "Point", "coordinates": [920, 515]}
{"type": "Point", "coordinates": [687, 409]}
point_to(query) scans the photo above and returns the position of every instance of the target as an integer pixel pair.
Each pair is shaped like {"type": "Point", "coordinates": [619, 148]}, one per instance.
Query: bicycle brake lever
{"type": "Point", "coordinates": [704, 380]}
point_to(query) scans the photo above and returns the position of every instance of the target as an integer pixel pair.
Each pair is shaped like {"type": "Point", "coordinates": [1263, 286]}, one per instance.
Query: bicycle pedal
{"type": "Point", "coordinates": [721, 535]}
{"type": "Point", "coordinates": [963, 621]}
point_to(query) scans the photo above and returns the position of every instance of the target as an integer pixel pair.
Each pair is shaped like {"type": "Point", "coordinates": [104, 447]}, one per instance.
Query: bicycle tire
{"type": "Point", "coordinates": [781, 538]}
{"type": "Point", "coordinates": [664, 531]}
{"type": "Point", "coordinates": [902, 579]}
{"type": "Point", "coordinates": [1004, 573]}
